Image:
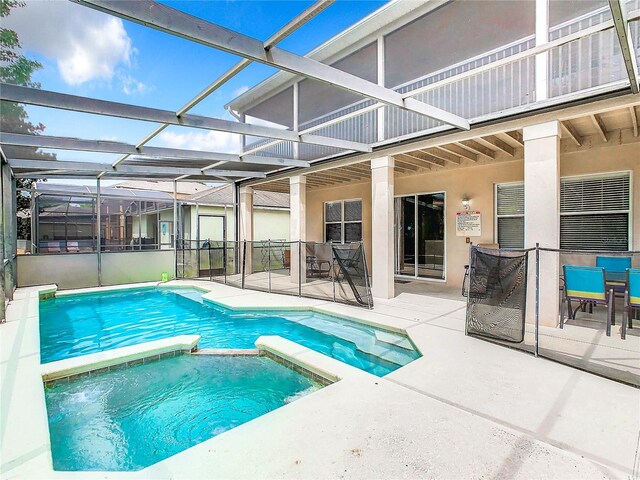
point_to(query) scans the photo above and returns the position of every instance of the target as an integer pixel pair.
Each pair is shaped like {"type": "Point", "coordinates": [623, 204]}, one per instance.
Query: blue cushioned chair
{"type": "Point", "coordinates": [586, 285]}
{"type": "Point", "coordinates": [631, 299]}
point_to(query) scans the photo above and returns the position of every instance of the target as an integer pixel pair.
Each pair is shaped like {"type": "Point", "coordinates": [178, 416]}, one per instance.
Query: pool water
{"type": "Point", "coordinates": [76, 325]}
{"type": "Point", "coordinates": [133, 417]}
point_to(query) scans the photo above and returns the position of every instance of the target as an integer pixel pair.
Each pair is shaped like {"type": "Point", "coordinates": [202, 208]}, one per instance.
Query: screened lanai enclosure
{"type": "Point", "coordinates": [409, 71]}
{"type": "Point", "coordinates": [66, 219]}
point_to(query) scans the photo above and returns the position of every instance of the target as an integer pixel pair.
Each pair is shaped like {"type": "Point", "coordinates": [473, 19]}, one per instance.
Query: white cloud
{"type": "Point", "coordinates": [85, 44]}
{"type": "Point", "coordinates": [131, 86]}
{"type": "Point", "coordinates": [211, 141]}
{"type": "Point", "coordinates": [239, 91]}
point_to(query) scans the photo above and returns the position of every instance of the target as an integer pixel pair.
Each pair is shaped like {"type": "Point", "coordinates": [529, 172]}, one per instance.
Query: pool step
{"type": "Point", "coordinates": [394, 339]}
{"type": "Point", "coordinates": [367, 344]}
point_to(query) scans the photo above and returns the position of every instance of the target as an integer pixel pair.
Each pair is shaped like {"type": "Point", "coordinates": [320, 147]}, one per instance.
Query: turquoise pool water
{"type": "Point", "coordinates": [80, 324]}
{"type": "Point", "coordinates": [130, 418]}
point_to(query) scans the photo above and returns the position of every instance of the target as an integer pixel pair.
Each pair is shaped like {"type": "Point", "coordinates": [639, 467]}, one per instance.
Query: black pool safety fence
{"type": "Point", "coordinates": [324, 271]}
{"type": "Point", "coordinates": [577, 307]}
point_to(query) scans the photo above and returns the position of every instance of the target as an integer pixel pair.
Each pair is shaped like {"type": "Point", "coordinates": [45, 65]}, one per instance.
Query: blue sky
{"type": "Point", "coordinates": [88, 53]}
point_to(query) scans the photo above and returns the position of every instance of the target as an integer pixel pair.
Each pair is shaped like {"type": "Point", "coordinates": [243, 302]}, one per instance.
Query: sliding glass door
{"type": "Point", "coordinates": [419, 235]}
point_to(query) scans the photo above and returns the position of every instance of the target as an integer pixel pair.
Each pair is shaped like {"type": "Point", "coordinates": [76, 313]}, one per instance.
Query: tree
{"type": "Point", "coordinates": [16, 69]}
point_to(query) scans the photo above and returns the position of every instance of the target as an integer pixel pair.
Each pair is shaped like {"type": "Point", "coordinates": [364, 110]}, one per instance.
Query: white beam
{"type": "Point", "coordinates": [106, 168]}
{"type": "Point", "coordinates": [280, 35]}
{"type": "Point", "coordinates": [621, 25]}
{"type": "Point", "coordinates": [63, 101]}
{"type": "Point", "coordinates": [175, 22]}
{"type": "Point", "coordinates": [103, 146]}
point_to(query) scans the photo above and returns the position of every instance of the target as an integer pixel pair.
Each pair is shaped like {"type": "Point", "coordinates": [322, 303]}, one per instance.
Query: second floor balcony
{"type": "Point", "coordinates": [583, 59]}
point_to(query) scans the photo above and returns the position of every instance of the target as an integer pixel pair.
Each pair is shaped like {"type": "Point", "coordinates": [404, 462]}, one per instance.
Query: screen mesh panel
{"type": "Point", "coordinates": [497, 294]}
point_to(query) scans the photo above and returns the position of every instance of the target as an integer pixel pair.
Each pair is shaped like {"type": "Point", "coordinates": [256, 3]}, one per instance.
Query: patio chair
{"type": "Point", "coordinates": [586, 285]}
{"type": "Point", "coordinates": [614, 269]}
{"type": "Point", "coordinates": [319, 259]}
{"type": "Point", "coordinates": [631, 300]}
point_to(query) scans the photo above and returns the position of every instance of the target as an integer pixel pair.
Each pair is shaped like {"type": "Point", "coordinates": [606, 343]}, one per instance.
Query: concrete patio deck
{"type": "Point", "coordinates": [466, 409]}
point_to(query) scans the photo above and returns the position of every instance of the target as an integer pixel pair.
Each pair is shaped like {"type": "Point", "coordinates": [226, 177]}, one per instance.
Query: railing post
{"type": "Point", "coordinates": [537, 315]}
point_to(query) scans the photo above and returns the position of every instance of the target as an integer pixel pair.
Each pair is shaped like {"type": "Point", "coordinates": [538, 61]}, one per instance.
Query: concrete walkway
{"type": "Point", "coordinates": [466, 409]}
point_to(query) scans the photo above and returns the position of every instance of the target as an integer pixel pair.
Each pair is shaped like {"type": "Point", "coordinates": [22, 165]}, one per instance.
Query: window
{"type": "Point", "coordinates": [510, 215]}
{"type": "Point", "coordinates": [595, 212]}
{"type": "Point", "coordinates": [343, 221]}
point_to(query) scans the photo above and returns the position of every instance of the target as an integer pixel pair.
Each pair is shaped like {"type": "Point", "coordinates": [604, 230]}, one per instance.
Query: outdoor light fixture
{"type": "Point", "coordinates": [465, 202]}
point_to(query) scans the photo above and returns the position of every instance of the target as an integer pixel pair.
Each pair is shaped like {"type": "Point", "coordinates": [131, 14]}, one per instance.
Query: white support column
{"type": "Point", "coordinates": [296, 117]}
{"type": "Point", "coordinates": [381, 111]}
{"type": "Point", "coordinates": [542, 59]}
{"type": "Point", "coordinates": [298, 226]}
{"type": "Point", "coordinates": [382, 188]}
{"type": "Point", "coordinates": [542, 216]}
{"type": "Point", "coordinates": [246, 225]}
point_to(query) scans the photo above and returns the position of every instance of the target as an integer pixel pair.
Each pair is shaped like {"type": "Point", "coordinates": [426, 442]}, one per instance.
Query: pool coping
{"type": "Point", "coordinates": [74, 367]}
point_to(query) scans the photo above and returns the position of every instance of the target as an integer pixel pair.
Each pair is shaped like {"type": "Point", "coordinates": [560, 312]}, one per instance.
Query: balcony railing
{"type": "Point", "coordinates": [588, 62]}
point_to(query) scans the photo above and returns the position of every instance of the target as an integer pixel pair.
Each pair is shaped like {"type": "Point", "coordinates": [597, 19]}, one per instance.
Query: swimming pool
{"type": "Point", "coordinates": [74, 325]}
{"type": "Point", "coordinates": [133, 417]}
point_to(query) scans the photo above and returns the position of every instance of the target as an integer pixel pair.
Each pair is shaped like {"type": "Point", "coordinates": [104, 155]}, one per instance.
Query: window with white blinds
{"type": "Point", "coordinates": [595, 212]}
{"type": "Point", "coordinates": [510, 215]}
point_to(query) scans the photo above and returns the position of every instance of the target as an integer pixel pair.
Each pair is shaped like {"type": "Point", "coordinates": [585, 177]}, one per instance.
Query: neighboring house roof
{"type": "Point", "coordinates": [183, 188]}
{"type": "Point", "coordinates": [384, 20]}
{"type": "Point", "coordinates": [223, 195]}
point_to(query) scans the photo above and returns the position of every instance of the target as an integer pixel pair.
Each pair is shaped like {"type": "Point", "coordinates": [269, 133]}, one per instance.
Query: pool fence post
{"type": "Point", "coordinates": [468, 288]}
{"type": "Point", "coordinates": [244, 256]}
{"type": "Point", "coordinates": [300, 268]}
{"type": "Point", "coordinates": [366, 276]}
{"type": "Point", "coordinates": [210, 264]}
{"type": "Point", "coordinates": [269, 262]}
{"type": "Point", "coordinates": [98, 236]}
{"type": "Point", "coordinates": [537, 315]}
{"type": "Point", "coordinates": [333, 272]}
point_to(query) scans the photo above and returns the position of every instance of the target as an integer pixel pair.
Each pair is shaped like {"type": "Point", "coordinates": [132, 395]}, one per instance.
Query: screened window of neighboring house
{"type": "Point", "coordinates": [510, 215]}
{"type": "Point", "coordinates": [343, 221]}
{"type": "Point", "coordinates": [595, 212]}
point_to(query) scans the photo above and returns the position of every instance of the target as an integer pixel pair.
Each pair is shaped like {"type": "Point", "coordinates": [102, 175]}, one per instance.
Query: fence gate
{"type": "Point", "coordinates": [496, 295]}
